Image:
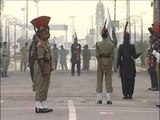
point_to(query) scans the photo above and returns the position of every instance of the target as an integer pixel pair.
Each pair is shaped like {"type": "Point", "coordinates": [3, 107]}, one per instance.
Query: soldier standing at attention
{"type": "Point", "coordinates": [156, 52]}
{"type": "Point", "coordinates": [55, 56]}
{"type": "Point", "coordinates": [43, 63]}
{"type": "Point", "coordinates": [75, 57]}
{"type": "Point", "coordinates": [23, 63]}
{"type": "Point", "coordinates": [104, 54]}
{"type": "Point", "coordinates": [151, 61]}
{"type": "Point", "coordinates": [5, 60]}
{"type": "Point", "coordinates": [125, 61]}
{"type": "Point", "coordinates": [86, 58]}
{"type": "Point", "coordinates": [63, 60]}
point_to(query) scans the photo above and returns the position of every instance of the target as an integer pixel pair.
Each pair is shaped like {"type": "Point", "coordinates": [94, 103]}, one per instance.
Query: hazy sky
{"type": "Point", "coordinates": [61, 10]}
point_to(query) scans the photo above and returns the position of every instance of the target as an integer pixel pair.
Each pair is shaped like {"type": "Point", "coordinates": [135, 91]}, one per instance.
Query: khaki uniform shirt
{"type": "Point", "coordinates": [105, 50]}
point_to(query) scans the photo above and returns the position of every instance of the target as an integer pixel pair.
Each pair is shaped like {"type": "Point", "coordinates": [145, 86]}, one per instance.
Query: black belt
{"type": "Point", "coordinates": [103, 56]}
{"type": "Point", "coordinates": [5, 55]}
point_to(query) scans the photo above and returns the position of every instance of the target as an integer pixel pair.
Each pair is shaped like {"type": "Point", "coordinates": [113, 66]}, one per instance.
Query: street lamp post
{"type": "Point", "coordinates": [15, 47]}
{"type": "Point", "coordinates": [134, 32]}
{"type": "Point", "coordinates": [26, 19]}
{"type": "Point", "coordinates": [141, 22]}
{"type": "Point", "coordinates": [73, 27]}
{"type": "Point", "coordinates": [14, 21]}
{"type": "Point", "coordinates": [23, 26]}
{"type": "Point", "coordinates": [37, 1]}
{"type": "Point", "coordinates": [142, 56]}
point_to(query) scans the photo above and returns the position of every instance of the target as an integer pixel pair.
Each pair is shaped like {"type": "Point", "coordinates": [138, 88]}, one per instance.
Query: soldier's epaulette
{"type": "Point", "coordinates": [40, 44]}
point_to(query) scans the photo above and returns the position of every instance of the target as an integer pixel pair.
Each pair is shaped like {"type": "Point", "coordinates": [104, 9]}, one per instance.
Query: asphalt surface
{"type": "Point", "coordinates": [74, 98]}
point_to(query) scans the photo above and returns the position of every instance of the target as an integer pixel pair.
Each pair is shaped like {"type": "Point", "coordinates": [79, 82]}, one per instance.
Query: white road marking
{"type": "Point", "coordinates": [101, 110]}
{"type": "Point", "coordinates": [106, 113]}
{"type": "Point", "coordinates": [120, 109]}
{"type": "Point", "coordinates": [72, 110]}
{"type": "Point", "coordinates": [2, 101]}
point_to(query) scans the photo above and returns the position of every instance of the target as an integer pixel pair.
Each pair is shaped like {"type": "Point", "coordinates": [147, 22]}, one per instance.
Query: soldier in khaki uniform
{"type": "Point", "coordinates": [63, 58]}
{"type": "Point", "coordinates": [5, 60]}
{"type": "Point", "coordinates": [55, 52]}
{"type": "Point", "coordinates": [43, 64]}
{"type": "Point", "coordinates": [104, 54]}
{"type": "Point", "coordinates": [86, 58]}
{"type": "Point", "coordinates": [24, 57]}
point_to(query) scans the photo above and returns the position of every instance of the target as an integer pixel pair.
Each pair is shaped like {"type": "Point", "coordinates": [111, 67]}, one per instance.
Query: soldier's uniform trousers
{"type": "Point", "coordinates": [23, 63]}
{"type": "Point", "coordinates": [42, 83]}
{"type": "Point", "coordinates": [108, 80]}
{"type": "Point", "coordinates": [5, 63]}
{"type": "Point", "coordinates": [158, 74]}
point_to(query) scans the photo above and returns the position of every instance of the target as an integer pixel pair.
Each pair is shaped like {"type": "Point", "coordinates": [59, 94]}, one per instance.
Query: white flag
{"type": "Point", "coordinates": [110, 28]}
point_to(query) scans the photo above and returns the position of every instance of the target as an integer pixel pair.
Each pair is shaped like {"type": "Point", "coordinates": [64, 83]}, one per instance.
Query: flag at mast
{"type": "Point", "coordinates": [110, 28]}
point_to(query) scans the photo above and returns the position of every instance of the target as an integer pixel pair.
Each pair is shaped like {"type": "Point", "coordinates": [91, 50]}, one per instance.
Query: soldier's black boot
{"type": "Point", "coordinates": [109, 102]}
{"type": "Point", "coordinates": [109, 98]}
{"type": "Point", "coordinates": [45, 106]}
{"type": "Point", "coordinates": [40, 110]}
{"type": "Point", "coordinates": [48, 110]}
{"type": "Point", "coordinates": [99, 98]}
{"type": "Point", "coordinates": [125, 97]}
{"type": "Point", "coordinates": [99, 102]}
{"type": "Point", "coordinates": [129, 97]}
{"type": "Point", "coordinates": [158, 105]}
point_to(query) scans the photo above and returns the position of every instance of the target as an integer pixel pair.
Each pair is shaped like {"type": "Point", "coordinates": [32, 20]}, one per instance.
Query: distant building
{"type": "Point", "coordinates": [100, 17]}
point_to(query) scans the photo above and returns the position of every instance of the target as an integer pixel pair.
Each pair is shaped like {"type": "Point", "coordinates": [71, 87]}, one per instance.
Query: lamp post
{"type": "Point", "coordinates": [142, 56]}
{"type": "Point", "coordinates": [141, 21]}
{"type": "Point", "coordinates": [37, 1]}
{"type": "Point", "coordinates": [23, 27]}
{"type": "Point", "coordinates": [15, 47]}
{"type": "Point", "coordinates": [73, 27]}
{"type": "Point", "coordinates": [26, 19]}
{"type": "Point", "coordinates": [135, 32]}
{"type": "Point", "coordinates": [14, 21]}
{"type": "Point", "coordinates": [8, 19]}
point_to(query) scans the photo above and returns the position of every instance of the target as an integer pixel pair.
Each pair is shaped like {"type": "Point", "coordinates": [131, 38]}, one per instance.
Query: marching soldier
{"type": "Point", "coordinates": [156, 51]}
{"type": "Point", "coordinates": [75, 57]}
{"type": "Point", "coordinates": [125, 61]}
{"type": "Point", "coordinates": [23, 63]}
{"type": "Point", "coordinates": [104, 54]}
{"type": "Point", "coordinates": [43, 63]}
{"type": "Point", "coordinates": [86, 58]}
{"type": "Point", "coordinates": [55, 56]}
{"type": "Point", "coordinates": [5, 60]}
{"type": "Point", "coordinates": [63, 53]}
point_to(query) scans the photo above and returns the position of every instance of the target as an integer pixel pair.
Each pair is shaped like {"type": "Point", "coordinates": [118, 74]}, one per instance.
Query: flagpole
{"type": "Point", "coordinates": [114, 10]}
{"type": "Point", "coordinates": [26, 19]}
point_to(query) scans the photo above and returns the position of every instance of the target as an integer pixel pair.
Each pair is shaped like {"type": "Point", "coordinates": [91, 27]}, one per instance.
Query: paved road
{"type": "Point", "coordinates": [74, 98]}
